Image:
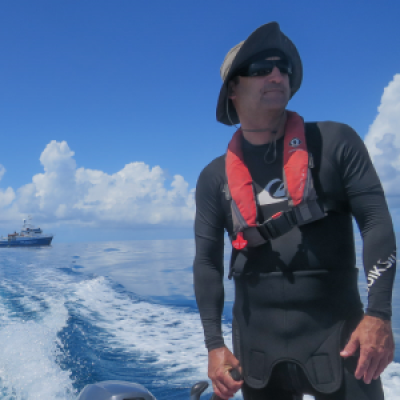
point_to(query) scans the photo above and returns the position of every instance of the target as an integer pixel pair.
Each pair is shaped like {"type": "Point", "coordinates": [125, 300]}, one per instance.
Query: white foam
{"type": "Point", "coordinates": [391, 381]}
{"type": "Point", "coordinates": [28, 366]}
{"type": "Point", "coordinates": [172, 336]}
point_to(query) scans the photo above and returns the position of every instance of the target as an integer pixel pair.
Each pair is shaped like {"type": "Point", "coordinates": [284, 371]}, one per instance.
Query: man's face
{"type": "Point", "coordinates": [261, 93]}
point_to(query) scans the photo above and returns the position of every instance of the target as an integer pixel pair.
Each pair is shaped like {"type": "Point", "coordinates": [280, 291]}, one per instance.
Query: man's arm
{"type": "Point", "coordinates": [208, 272]}
{"type": "Point", "coordinates": [373, 336]}
{"type": "Point", "coordinates": [208, 267]}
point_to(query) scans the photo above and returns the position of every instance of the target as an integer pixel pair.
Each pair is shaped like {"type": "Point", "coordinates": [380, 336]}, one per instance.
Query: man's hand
{"type": "Point", "coordinates": [220, 362]}
{"type": "Point", "coordinates": [374, 337]}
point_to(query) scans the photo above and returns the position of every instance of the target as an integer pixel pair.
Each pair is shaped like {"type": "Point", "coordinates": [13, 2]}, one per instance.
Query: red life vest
{"type": "Point", "coordinates": [298, 182]}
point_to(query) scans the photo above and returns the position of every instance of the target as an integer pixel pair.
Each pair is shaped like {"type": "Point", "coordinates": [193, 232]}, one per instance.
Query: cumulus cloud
{"type": "Point", "coordinates": [6, 197]}
{"type": "Point", "coordinates": [383, 141]}
{"type": "Point", "coordinates": [135, 195]}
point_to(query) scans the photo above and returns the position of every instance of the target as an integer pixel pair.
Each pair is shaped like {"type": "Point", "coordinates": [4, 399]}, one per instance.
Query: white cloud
{"type": "Point", "coordinates": [383, 141]}
{"type": "Point", "coordinates": [135, 195]}
{"type": "Point", "coordinates": [6, 197]}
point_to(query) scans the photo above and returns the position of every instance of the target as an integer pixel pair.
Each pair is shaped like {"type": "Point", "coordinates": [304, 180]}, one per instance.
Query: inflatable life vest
{"type": "Point", "coordinates": [298, 182]}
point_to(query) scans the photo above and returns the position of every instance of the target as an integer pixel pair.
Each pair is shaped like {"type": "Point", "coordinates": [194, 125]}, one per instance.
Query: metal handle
{"type": "Point", "coordinates": [236, 376]}
{"type": "Point", "coordinates": [197, 389]}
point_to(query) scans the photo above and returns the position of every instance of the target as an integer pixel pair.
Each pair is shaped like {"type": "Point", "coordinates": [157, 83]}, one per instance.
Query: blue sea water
{"type": "Point", "coordinates": [73, 314]}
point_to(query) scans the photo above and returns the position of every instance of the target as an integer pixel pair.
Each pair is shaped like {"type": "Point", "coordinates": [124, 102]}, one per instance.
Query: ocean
{"type": "Point", "coordinates": [73, 314]}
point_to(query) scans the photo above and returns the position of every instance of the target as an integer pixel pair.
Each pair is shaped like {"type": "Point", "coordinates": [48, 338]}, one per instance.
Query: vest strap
{"type": "Point", "coordinates": [284, 221]}
{"type": "Point", "coordinates": [279, 224]}
{"type": "Point", "coordinates": [274, 227]}
{"type": "Point", "coordinates": [237, 267]}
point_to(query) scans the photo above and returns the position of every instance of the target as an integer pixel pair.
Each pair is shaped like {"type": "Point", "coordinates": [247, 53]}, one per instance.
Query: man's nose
{"type": "Point", "coordinates": [275, 75]}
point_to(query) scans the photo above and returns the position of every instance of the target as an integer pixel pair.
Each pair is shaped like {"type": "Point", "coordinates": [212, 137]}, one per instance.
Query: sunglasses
{"type": "Point", "coordinates": [265, 67]}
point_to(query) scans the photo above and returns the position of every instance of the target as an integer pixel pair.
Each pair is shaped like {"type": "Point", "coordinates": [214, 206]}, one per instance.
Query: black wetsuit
{"type": "Point", "coordinates": [347, 185]}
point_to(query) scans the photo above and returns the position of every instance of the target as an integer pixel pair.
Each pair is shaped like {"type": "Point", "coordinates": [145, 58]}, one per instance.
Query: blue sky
{"type": "Point", "coordinates": [107, 108]}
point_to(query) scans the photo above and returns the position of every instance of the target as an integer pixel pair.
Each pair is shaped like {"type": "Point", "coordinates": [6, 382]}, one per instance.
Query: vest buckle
{"type": "Point", "coordinates": [277, 225]}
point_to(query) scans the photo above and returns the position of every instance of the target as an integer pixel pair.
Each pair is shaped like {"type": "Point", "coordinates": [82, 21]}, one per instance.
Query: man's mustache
{"type": "Point", "coordinates": [269, 87]}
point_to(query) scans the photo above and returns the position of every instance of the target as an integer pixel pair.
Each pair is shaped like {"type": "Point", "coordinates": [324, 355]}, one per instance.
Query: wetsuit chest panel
{"type": "Point", "coordinates": [268, 183]}
{"type": "Point", "coordinates": [294, 317]}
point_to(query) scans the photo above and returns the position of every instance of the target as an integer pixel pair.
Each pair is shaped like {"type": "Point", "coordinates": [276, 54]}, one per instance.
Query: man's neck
{"type": "Point", "coordinates": [265, 129]}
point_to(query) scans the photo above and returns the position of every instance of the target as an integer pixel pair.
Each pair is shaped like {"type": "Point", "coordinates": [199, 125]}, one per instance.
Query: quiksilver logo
{"type": "Point", "coordinates": [380, 267]}
{"type": "Point", "coordinates": [295, 142]}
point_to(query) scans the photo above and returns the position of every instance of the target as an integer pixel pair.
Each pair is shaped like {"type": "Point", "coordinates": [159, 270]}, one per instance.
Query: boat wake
{"type": "Point", "coordinates": [62, 328]}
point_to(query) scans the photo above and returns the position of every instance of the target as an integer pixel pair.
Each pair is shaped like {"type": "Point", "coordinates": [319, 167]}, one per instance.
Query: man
{"type": "Point", "coordinates": [286, 192]}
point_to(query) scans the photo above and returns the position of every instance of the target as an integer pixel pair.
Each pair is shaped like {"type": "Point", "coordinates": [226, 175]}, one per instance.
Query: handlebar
{"type": "Point", "coordinates": [200, 387]}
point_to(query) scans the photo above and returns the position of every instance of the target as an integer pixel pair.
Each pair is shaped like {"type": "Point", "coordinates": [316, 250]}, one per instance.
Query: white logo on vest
{"type": "Point", "coordinates": [274, 192]}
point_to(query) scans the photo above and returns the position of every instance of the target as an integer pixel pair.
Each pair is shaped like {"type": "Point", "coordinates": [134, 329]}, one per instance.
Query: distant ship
{"type": "Point", "coordinates": [29, 236]}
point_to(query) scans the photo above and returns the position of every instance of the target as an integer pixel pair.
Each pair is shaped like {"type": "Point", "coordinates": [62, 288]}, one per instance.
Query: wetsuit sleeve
{"type": "Point", "coordinates": [208, 268]}
{"type": "Point", "coordinates": [369, 208]}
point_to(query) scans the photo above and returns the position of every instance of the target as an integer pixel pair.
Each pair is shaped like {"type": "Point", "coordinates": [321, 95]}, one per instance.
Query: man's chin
{"type": "Point", "coordinates": [274, 105]}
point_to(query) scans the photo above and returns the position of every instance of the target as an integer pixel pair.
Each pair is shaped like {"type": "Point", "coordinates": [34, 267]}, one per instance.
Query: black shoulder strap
{"type": "Point", "coordinates": [314, 145]}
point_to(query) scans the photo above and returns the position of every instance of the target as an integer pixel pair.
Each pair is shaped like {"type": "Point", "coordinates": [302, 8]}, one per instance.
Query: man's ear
{"type": "Point", "coordinates": [231, 90]}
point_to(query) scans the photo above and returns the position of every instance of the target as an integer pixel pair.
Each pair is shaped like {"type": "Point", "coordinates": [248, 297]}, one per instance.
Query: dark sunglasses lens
{"type": "Point", "coordinates": [261, 71]}
{"type": "Point", "coordinates": [282, 66]}
{"type": "Point", "coordinates": [265, 67]}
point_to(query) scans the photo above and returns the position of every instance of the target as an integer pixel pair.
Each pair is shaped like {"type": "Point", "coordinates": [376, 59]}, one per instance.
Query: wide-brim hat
{"type": "Point", "coordinates": [266, 37]}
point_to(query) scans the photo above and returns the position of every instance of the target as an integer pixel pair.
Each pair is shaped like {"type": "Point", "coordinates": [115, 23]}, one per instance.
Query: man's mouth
{"type": "Point", "coordinates": [273, 89]}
